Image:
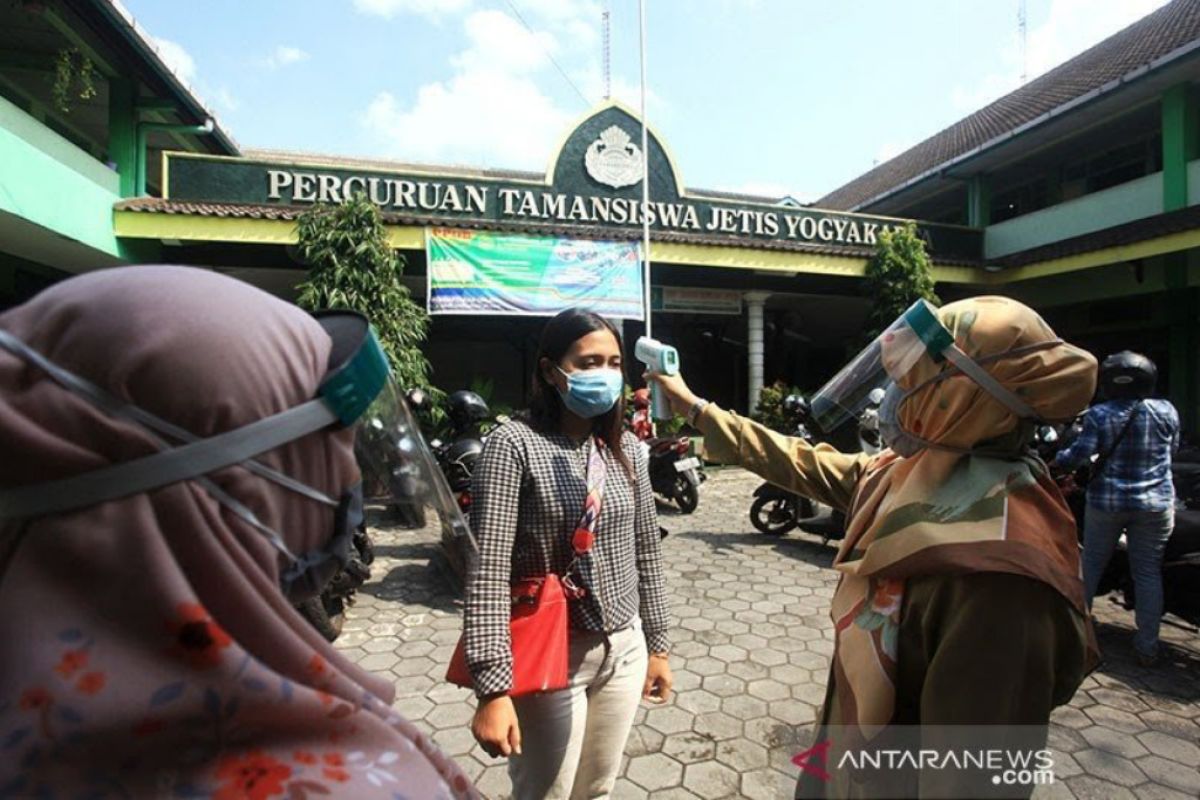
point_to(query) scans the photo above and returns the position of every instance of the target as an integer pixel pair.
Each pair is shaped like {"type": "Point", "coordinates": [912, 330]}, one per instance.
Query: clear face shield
{"type": "Point", "coordinates": [861, 383]}
{"type": "Point", "coordinates": [873, 375]}
{"type": "Point", "coordinates": [400, 470]}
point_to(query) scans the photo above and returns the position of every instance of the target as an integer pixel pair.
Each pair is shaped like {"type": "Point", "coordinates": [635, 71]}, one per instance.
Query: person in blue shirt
{"type": "Point", "coordinates": [1131, 491]}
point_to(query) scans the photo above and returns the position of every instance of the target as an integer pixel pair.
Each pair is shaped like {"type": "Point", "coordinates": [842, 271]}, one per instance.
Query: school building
{"type": "Point", "coordinates": [1078, 193]}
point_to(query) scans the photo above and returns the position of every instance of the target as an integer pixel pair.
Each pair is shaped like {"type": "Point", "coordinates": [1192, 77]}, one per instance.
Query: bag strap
{"type": "Point", "coordinates": [597, 474]}
{"type": "Point", "coordinates": [1102, 461]}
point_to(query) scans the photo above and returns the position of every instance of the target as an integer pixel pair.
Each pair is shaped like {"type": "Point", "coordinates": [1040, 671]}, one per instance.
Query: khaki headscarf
{"type": "Point", "coordinates": [943, 511]}
{"type": "Point", "coordinates": [148, 650]}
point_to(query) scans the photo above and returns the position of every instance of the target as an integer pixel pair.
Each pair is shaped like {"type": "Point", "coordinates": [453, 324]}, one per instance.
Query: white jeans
{"type": "Point", "coordinates": [572, 740]}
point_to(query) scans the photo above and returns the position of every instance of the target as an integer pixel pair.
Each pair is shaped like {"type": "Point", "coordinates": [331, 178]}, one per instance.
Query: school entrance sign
{"type": "Point", "coordinates": [592, 185]}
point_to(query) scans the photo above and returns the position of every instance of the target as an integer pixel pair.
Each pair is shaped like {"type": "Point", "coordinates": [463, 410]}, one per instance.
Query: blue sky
{"type": "Point", "coordinates": [771, 96]}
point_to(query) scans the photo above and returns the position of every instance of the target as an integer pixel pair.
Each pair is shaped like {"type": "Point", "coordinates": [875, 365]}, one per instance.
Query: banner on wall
{"type": "Point", "coordinates": [494, 274]}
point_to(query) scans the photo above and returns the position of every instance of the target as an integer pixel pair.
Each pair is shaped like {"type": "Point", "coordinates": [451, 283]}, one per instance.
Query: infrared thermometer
{"type": "Point", "coordinates": [662, 358]}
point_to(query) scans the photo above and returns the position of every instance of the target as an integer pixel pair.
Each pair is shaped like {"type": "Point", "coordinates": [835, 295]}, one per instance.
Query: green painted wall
{"type": "Point", "coordinates": [1179, 143]}
{"type": "Point", "coordinates": [1129, 201]}
{"type": "Point", "coordinates": [50, 182]}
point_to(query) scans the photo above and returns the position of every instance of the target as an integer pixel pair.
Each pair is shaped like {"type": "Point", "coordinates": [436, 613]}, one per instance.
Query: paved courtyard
{"type": "Point", "coordinates": [752, 646]}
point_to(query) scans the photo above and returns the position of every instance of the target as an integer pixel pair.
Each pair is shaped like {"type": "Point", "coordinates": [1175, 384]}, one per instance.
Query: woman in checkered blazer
{"type": "Point", "coordinates": [529, 492]}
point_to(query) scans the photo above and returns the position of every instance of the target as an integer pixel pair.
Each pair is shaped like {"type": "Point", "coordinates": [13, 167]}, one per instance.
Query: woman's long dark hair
{"type": "Point", "coordinates": [546, 408]}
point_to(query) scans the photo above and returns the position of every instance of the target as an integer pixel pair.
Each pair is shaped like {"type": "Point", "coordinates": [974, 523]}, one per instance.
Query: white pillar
{"type": "Point", "coordinates": [755, 301]}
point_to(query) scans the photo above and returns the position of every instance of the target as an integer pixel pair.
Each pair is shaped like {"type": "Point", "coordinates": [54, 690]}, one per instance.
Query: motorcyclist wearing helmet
{"type": "Point", "coordinates": [959, 602]}
{"type": "Point", "coordinates": [1133, 437]}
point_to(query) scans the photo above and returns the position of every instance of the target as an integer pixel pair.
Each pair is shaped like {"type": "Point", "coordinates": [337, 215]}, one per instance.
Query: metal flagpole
{"type": "Point", "coordinates": [645, 175]}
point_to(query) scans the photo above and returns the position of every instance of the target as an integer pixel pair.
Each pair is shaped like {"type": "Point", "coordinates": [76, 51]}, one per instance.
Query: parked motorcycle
{"type": "Point", "coordinates": [674, 474]}
{"type": "Point", "coordinates": [776, 511]}
{"type": "Point", "coordinates": [326, 612]}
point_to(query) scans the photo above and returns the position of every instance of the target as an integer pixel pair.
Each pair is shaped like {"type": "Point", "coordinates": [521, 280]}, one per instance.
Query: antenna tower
{"type": "Point", "coordinates": [605, 25]}
{"type": "Point", "coordinates": [1022, 30]}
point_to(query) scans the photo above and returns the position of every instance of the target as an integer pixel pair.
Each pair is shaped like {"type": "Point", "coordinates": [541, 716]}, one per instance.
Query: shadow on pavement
{"type": "Point", "coordinates": [804, 547]}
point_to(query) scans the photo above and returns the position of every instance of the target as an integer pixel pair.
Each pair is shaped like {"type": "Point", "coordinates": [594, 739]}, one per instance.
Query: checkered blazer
{"type": "Point", "coordinates": [527, 497]}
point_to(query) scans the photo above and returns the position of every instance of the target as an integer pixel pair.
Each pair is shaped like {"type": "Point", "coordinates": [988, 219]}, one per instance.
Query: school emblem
{"type": "Point", "coordinates": [613, 159]}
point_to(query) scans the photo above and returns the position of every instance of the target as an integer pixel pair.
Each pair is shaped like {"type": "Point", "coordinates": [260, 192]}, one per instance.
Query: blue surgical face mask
{"type": "Point", "coordinates": [592, 392]}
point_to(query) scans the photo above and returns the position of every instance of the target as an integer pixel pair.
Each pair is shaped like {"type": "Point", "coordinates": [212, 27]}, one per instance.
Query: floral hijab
{"type": "Point", "coordinates": [148, 650]}
{"type": "Point", "coordinates": [950, 511]}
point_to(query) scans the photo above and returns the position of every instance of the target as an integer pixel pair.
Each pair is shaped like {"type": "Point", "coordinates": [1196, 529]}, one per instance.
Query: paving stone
{"type": "Point", "coordinates": [1167, 746]}
{"type": "Point", "coordinates": [728, 653]}
{"type": "Point", "coordinates": [742, 755]}
{"type": "Point", "coordinates": [724, 685]}
{"type": "Point", "coordinates": [767, 784]}
{"type": "Point", "coordinates": [458, 741]}
{"type": "Point", "coordinates": [1123, 700]}
{"type": "Point", "coordinates": [690, 747]}
{"type": "Point", "coordinates": [1053, 791]}
{"type": "Point", "coordinates": [711, 780]}
{"type": "Point", "coordinates": [770, 732]}
{"type": "Point", "coordinates": [1172, 773]}
{"type": "Point", "coordinates": [745, 595]}
{"type": "Point", "coordinates": [685, 680]}
{"type": "Point", "coordinates": [771, 689]}
{"type": "Point", "coordinates": [1115, 718]}
{"type": "Point", "coordinates": [669, 719]}
{"type": "Point", "coordinates": [654, 772]}
{"type": "Point", "coordinates": [643, 740]}
{"type": "Point", "coordinates": [814, 662]}
{"type": "Point", "coordinates": [698, 701]}
{"type": "Point", "coordinates": [1065, 765]}
{"type": "Point", "coordinates": [494, 782]}
{"type": "Point", "coordinates": [625, 789]}
{"type": "Point", "coordinates": [1110, 741]}
{"type": "Point", "coordinates": [413, 708]}
{"type": "Point", "coordinates": [457, 715]}
{"type": "Point", "coordinates": [418, 666]}
{"type": "Point", "coordinates": [705, 666]}
{"type": "Point", "coordinates": [1171, 723]}
{"type": "Point", "coordinates": [1066, 740]}
{"type": "Point", "coordinates": [379, 662]}
{"type": "Point", "coordinates": [1112, 768]}
{"type": "Point", "coordinates": [1156, 791]}
{"type": "Point", "coordinates": [1088, 787]}
{"type": "Point", "coordinates": [792, 712]}
{"type": "Point", "coordinates": [747, 671]}
{"type": "Point", "coordinates": [1071, 717]}
{"type": "Point", "coordinates": [718, 725]}
{"type": "Point", "coordinates": [744, 707]}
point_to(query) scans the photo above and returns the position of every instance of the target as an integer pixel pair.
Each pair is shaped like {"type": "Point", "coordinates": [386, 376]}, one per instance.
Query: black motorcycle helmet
{"type": "Point", "coordinates": [459, 463]}
{"type": "Point", "coordinates": [1128, 376]}
{"type": "Point", "coordinates": [467, 408]}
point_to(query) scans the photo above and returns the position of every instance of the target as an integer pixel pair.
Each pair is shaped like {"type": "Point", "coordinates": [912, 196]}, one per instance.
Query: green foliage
{"type": "Point", "coordinates": [353, 266]}
{"type": "Point", "coordinates": [770, 407]}
{"type": "Point", "coordinates": [898, 275]}
{"type": "Point", "coordinates": [72, 69]}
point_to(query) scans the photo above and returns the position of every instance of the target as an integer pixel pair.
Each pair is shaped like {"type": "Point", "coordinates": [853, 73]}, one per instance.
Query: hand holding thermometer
{"type": "Point", "coordinates": [663, 359]}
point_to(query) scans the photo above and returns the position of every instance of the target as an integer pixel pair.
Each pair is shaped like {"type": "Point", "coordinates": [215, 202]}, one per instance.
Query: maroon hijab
{"type": "Point", "coordinates": [147, 649]}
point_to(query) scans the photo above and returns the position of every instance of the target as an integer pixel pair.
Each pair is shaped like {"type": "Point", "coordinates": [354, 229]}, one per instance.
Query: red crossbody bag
{"type": "Point", "coordinates": [538, 626]}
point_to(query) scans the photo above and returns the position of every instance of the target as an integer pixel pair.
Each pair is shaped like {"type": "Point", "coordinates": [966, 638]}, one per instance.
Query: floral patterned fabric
{"type": "Point", "coordinates": [148, 650]}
